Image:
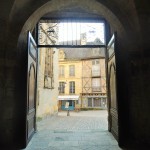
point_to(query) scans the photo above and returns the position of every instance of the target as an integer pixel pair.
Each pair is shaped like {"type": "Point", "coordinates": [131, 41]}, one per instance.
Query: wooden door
{"type": "Point", "coordinates": [111, 87]}
{"type": "Point", "coordinates": [31, 85]}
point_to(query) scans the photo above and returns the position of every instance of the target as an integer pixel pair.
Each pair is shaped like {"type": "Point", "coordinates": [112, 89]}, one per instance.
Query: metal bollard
{"type": "Point", "coordinates": [68, 112]}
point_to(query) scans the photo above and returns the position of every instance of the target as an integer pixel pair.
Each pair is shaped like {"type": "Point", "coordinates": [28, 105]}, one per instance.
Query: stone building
{"type": "Point", "coordinates": [70, 87]}
{"type": "Point", "coordinates": [88, 75]}
{"type": "Point", "coordinates": [129, 88]}
{"type": "Point", "coordinates": [94, 93]}
{"type": "Point", "coordinates": [47, 77]}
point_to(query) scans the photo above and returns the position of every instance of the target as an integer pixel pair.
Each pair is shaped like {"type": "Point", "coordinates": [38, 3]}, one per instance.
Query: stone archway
{"type": "Point", "coordinates": [28, 21]}
{"type": "Point", "coordinates": [23, 18]}
{"type": "Point", "coordinates": [70, 6]}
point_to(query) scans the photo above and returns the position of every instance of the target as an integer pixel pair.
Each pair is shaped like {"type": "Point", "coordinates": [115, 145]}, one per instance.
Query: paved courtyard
{"type": "Point", "coordinates": [84, 130]}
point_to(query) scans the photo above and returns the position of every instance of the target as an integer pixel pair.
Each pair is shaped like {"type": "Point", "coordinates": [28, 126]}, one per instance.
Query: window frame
{"type": "Point", "coordinates": [96, 67]}
{"type": "Point", "coordinates": [97, 86]}
{"type": "Point", "coordinates": [72, 87]}
{"type": "Point", "coordinates": [49, 72]}
{"type": "Point", "coordinates": [61, 87]}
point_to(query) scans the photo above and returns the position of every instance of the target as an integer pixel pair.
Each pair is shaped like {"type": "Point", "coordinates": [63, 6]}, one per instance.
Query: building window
{"type": "Point", "coordinates": [72, 70]}
{"type": "Point", "coordinates": [61, 87]}
{"type": "Point", "coordinates": [48, 74]}
{"type": "Point", "coordinates": [95, 62]}
{"type": "Point", "coordinates": [96, 85]}
{"type": "Point", "coordinates": [72, 87]}
{"type": "Point", "coordinates": [104, 102]}
{"type": "Point", "coordinates": [95, 68]}
{"type": "Point", "coordinates": [61, 71]}
{"type": "Point", "coordinates": [97, 102]}
{"type": "Point", "coordinates": [89, 102]}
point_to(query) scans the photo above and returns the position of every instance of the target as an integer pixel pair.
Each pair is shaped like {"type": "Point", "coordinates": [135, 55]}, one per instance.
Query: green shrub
{"type": "Point", "coordinates": [38, 119]}
{"type": "Point", "coordinates": [86, 109]}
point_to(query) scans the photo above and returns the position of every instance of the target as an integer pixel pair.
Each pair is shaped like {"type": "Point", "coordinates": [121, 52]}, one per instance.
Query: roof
{"type": "Point", "coordinates": [83, 53]}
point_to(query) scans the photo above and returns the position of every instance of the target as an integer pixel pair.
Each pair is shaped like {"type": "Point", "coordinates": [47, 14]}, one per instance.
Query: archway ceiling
{"type": "Point", "coordinates": [73, 12]}
{"type": "Point", "coordinates": [27, 12]}
{"type": "Point", "coordinates": [122, 9]}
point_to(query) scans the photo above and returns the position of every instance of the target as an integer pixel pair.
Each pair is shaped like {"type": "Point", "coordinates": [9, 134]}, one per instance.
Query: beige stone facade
{"type": "Point", "coordinates": [129, 18]}
{"type": "Point", "coordinates": [47, 81]}
{"type": "Point", "coordinates": [67, 78]}
{"type": "Point", "coordinates": [89, 78]}
{"type": "Point", "coordinates": [94, 83]}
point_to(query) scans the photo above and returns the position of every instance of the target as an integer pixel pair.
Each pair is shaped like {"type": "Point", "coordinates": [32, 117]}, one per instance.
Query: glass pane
{"type": "Point", "coordinates": [71, 32]}
{"type": "Point", "coordinates": [89, 102]}
{"type": "Point", "coordinates": [97, 103]}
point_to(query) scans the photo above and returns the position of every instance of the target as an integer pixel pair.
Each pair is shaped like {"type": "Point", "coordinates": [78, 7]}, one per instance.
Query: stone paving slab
{"type": "Point", "coordinates": [86, 130]}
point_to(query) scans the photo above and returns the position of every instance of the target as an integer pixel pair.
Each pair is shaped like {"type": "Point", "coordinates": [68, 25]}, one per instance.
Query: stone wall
{"type": "Point", "coordinates": [77, 78]}
{"type": "Point", "coordinates": [47, 98]}
{"type": "Point", "coordinates": [130, 18]}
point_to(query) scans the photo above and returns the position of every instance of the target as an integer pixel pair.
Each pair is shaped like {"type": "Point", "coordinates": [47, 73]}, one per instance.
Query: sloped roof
{"type": "Point", "coordinates": [83, 53]}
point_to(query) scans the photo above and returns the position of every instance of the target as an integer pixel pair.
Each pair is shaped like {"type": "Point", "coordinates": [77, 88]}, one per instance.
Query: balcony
{"type": "Point", "coordinates": [96, 89]}
{"type": "Point", "coordinates": [95, 74]}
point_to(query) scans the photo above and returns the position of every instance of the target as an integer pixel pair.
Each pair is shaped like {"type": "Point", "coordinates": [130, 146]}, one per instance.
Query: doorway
{"type": "Point", "coordinates": [48, 36]}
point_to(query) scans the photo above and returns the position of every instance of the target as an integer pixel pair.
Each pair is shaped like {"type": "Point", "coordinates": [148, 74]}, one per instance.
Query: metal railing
{"type": "Point", "coordinates": [96, 88]}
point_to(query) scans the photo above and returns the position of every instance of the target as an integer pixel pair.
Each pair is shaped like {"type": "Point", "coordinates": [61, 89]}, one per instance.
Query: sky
{"type": "Point", "coordinates": [73, 30]}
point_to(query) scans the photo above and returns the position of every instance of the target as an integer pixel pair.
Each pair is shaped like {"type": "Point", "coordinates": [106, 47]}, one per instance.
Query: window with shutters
{"type": "Point", "coordinates": [89, 102]}
{"type": "Point", "coordinates": [71, 70]}
{"type": "Point", "coordinates": [72, 87]}
{"type": "Point", "coordinates": [95, 62]}
{"type": "Point", "coordinates": [96, 102]}
{"type": "Point", "coordinates": [95, 68]}
{"type": "Point", "coordinates": [48, 74]}
{"type": "Point", "coordinates": [96, 85]}
{"type": "Point", "coordinates": [61, 87]}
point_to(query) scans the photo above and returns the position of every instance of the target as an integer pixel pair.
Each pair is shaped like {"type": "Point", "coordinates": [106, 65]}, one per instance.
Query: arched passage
{"type": "Point", "coordinates": [18, 27]}
{"type": "Point", "coordinates": [30, 17]}
{"type": "Point", "coordinates": [87, 9]}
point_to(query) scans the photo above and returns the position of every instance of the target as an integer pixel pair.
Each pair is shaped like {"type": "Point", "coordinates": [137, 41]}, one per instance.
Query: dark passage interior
{"type": "Point", "coordinates": [129, 19]}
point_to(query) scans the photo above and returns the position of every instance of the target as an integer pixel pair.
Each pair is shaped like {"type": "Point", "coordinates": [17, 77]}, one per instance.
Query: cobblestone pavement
{"type": "Point", "coordinates": [84, 130]}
